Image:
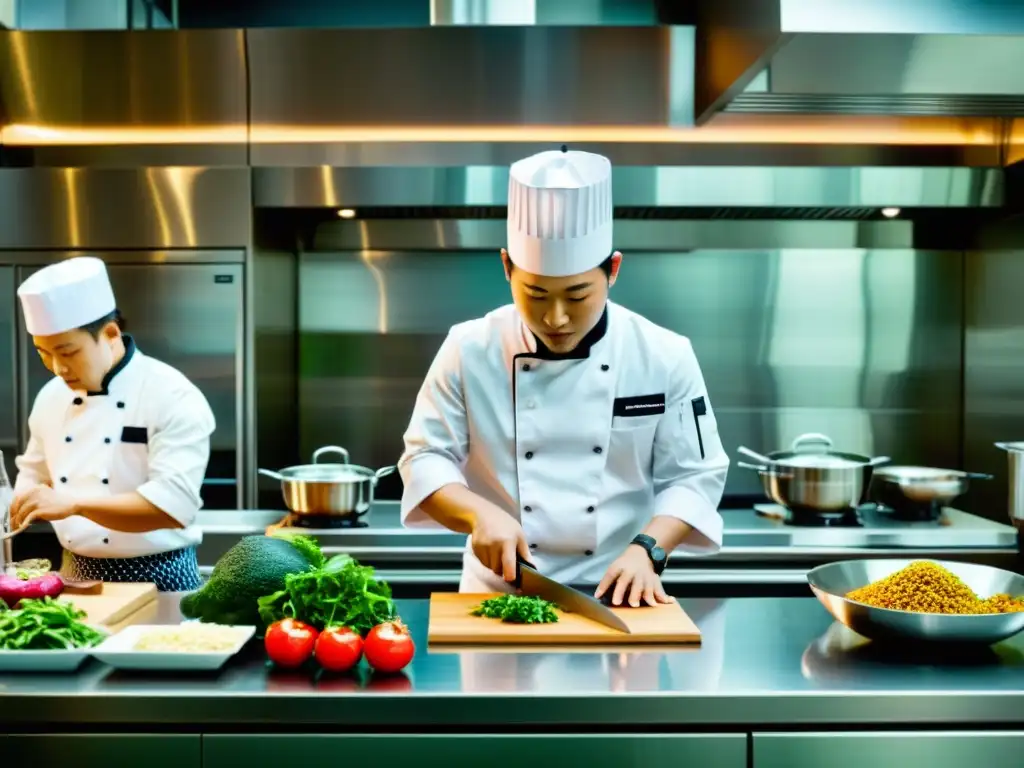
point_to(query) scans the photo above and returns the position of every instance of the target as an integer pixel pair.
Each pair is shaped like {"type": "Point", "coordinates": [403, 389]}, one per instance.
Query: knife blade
{"type": "Point", "coordinates": [531, 582]}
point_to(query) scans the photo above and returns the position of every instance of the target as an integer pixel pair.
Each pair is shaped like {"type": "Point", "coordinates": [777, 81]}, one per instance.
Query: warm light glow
{"type": "Point", "coordinates": [726, 128]}
{"type": "Point", "coordinates": [40, 135]}
{"type": "Point", "coordinates": [1015, 148]}
{"type": "Point", "coordinates": [346, 213]}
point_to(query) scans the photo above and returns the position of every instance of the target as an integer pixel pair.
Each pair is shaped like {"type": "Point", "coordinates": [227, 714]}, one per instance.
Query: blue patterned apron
{"type": "Point", "coordinates": [175, 571]}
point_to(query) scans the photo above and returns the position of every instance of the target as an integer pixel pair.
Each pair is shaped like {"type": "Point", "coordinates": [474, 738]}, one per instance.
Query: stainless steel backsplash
{"type": "Point", "coordinates": [865, 346]}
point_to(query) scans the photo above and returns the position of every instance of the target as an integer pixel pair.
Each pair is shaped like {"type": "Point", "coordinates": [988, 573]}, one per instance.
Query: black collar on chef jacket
{"type": "Point", "coordinates": [581, 351]}
{"type": "Point", "coordinates": [129, 352]}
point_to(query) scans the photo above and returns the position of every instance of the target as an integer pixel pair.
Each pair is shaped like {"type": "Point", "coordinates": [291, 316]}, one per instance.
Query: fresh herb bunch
{"type": "Point", "coordinates": [335, 592]}
{"type": "Point", "coordinates": [518, 609]}
{"type": "Point", "coordinates": [47, 624]}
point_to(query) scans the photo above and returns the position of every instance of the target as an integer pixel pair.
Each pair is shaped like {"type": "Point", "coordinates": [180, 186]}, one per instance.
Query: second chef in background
{"type": "Point", "coordinates": [118, 441]}
{"type": "Point", "coordinates": [565, 428]}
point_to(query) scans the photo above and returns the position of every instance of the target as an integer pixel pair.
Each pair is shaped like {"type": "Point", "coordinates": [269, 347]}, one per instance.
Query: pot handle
{"type": "Point", "coordinates": [272, 473]}
{"type": "Point", "coordinates": [978, 476]}
{"type": "Point", "coordinates": [382, 472]}
{"type": "Point", "coordinates": [813, 438]}
{"type": "Point", "coordinates": [766, 470]}
{"type": "Point", "coordinates": [330, 449]}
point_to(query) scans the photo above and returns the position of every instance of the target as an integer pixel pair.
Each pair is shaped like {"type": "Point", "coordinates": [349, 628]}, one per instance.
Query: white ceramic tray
{"type": "Point", "coordinates": [119, 652]}
{"type": "Point", "coordinates": [57, 660]}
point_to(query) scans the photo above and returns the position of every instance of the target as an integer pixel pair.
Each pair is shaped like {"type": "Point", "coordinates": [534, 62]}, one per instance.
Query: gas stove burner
{"type": "Point", "coordinates": [812, 518]}
{"type": "Point", "coordinates": [316, 522]}
{"type": "Point", "coordinates": [809, 518]}
{"type": "Point", "coordinates": [325, 522]}
{"type": "Point", "coordinates": [911, 512]}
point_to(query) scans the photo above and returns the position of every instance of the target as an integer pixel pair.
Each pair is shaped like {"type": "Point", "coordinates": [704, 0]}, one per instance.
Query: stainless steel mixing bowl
{"type": "Point", "coordinates": [830, 583]}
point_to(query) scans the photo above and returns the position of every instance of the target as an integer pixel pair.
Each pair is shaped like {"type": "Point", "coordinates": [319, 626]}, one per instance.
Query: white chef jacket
{"type": "Point", "coordinates": [148, 430]}
{"type": "Point", "coordinates": [583, 452]}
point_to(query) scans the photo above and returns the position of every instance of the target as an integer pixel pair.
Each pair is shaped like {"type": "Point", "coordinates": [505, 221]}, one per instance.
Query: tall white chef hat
{"type": "Point", "coordinates": [66, 295]}
{"type": "Point", "coordinates": [560, 212]}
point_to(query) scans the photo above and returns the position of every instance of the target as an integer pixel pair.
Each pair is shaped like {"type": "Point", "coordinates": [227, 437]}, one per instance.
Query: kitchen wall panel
{"type": "Point", "coordinates": [993, 372]}
{"type": "Point", "coordinates": [862, 345]}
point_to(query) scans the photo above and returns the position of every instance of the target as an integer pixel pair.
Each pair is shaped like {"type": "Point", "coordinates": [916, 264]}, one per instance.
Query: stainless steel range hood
{"type": "Point", "coordinates": [457, 92]}
{"type": "Point", "coordinates": [849, 57]}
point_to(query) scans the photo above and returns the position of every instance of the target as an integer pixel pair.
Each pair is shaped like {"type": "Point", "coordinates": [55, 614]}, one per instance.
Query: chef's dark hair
{"type": "Point", "coordinates": [96, 326]}
{"type": "Point", "coordinates": [606, 266]}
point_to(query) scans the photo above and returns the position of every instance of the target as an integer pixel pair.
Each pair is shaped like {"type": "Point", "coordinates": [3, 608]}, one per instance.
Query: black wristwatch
{"type": "Point", "coordinates": [656, 553]}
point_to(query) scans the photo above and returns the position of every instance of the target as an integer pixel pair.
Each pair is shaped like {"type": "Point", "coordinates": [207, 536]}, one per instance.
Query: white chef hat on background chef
{"type": "Point", "coordinates": [560, 212]}
{"type": "Point", "coordinates": [66, 295]}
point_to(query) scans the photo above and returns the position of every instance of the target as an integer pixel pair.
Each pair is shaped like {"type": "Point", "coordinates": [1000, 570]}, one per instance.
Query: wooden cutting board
{"type": "Point", "coordinates": [114, 603]}
{"type": "Point", "coordinates": [451, 622]}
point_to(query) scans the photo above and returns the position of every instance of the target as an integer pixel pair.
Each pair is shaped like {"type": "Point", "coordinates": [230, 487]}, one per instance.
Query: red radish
{"type": "Point", "coordinates": [13, 589]}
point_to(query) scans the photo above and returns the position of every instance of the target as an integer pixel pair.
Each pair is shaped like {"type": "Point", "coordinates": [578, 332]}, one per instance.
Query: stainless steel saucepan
{"type": "Point", "coordinates": [810, 476]}
{"type": "Point", "coordinates": [897, 486]}
{"type": "Point", "coordinates": [335, 490]}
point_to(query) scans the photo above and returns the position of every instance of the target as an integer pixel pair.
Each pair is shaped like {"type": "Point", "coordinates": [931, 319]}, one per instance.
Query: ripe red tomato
{"type": "Point", "coordinates": [290, 643]}
{"type": "Point", "coordinates": [338, 649]}
{"type": "Point", "coordinates": [389, 647]}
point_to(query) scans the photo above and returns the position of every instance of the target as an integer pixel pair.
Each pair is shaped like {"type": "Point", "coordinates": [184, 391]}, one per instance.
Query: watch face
{"type": "Point", "coordinates": [658, 555]}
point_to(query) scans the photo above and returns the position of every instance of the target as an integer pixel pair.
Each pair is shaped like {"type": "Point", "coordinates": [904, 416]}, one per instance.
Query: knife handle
{"type": "Point", "coordinates": [520, 562]}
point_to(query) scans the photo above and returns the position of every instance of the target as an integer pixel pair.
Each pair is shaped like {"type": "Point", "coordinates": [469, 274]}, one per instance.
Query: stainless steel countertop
{"type": "Point", "coordinates": [763, 661]}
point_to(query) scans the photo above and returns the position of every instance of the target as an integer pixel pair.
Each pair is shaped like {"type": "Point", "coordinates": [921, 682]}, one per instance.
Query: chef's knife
{"type": "Point", "coordinates": [531, 582]}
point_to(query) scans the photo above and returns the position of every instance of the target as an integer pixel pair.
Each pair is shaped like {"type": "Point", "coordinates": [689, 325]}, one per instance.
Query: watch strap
{"type": "Point", "coordinates": [649, 543]}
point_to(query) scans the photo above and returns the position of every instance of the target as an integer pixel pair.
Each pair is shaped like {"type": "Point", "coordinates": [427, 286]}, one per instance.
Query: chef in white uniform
{"type": "Point", "coordinates": [564, 428]}
{"type": "Point", "coordinates": [119, 442]}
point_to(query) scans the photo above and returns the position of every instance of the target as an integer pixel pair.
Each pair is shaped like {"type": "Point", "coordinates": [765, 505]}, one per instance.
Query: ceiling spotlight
{"type": "Point", "coordinates": [890, 213]}
{"type": "Point", "coordinates": [348, 213]}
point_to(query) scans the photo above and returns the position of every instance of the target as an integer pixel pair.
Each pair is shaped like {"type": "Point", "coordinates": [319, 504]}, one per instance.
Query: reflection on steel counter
{"type": "Point", "coordinates": [595, 669]}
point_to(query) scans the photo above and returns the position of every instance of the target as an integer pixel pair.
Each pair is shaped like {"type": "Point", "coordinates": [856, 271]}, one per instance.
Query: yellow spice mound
{"type": "Point", "coordinates": [925, 587]}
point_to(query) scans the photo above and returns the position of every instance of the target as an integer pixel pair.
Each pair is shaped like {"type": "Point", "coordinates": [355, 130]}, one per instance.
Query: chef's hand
{"type": "Point", "coordinates": [496, 539]}
{"type": "Point", "coordinates": [39, 503]}
{"type": "Point", "coordinates": [632, 575]}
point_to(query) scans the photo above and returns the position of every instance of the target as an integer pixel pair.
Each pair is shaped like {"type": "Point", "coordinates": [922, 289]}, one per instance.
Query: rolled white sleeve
{"type": "Point", "coordinates": [179, 451]}
{"type": "Point", "coordinates": [437, 438]}
{"type": "Point", "coordinates": [690, 464]}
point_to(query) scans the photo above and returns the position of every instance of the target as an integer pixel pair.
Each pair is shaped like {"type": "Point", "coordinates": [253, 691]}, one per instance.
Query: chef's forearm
{"type": "Point", "coordinates": [455, 507]}
{"type": "Point", "coordinates": [668, 531]}
{"type": "Point", "coordinates": [127, 513]}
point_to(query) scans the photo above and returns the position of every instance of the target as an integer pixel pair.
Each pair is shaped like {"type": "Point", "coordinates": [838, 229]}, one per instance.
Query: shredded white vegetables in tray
{"type": "Point", "coordinates": [189, 638]}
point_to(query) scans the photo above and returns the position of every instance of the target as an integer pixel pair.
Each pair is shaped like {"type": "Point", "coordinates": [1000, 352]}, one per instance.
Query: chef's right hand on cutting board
{"type": "Point", "coordinates": [497, 538]}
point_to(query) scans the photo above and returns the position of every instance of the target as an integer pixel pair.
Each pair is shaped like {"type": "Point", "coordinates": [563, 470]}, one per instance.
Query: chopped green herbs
{"type": "Point", "coordinates": [46, 624]}
{"type": "Point", "coordinates": [518, 609]}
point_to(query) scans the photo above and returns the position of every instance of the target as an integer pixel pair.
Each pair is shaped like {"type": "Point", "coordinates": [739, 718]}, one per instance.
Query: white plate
{"type": "Point", "coordinates": [119, 651]}
{"type": "Point", "coordinates": [57, 660]}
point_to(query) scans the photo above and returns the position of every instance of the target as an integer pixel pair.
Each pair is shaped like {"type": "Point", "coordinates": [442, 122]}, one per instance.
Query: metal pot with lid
{"type": "Point", "coordinates": [811, 476]}
{"type": "Point", "coordinates": [341, 490]}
